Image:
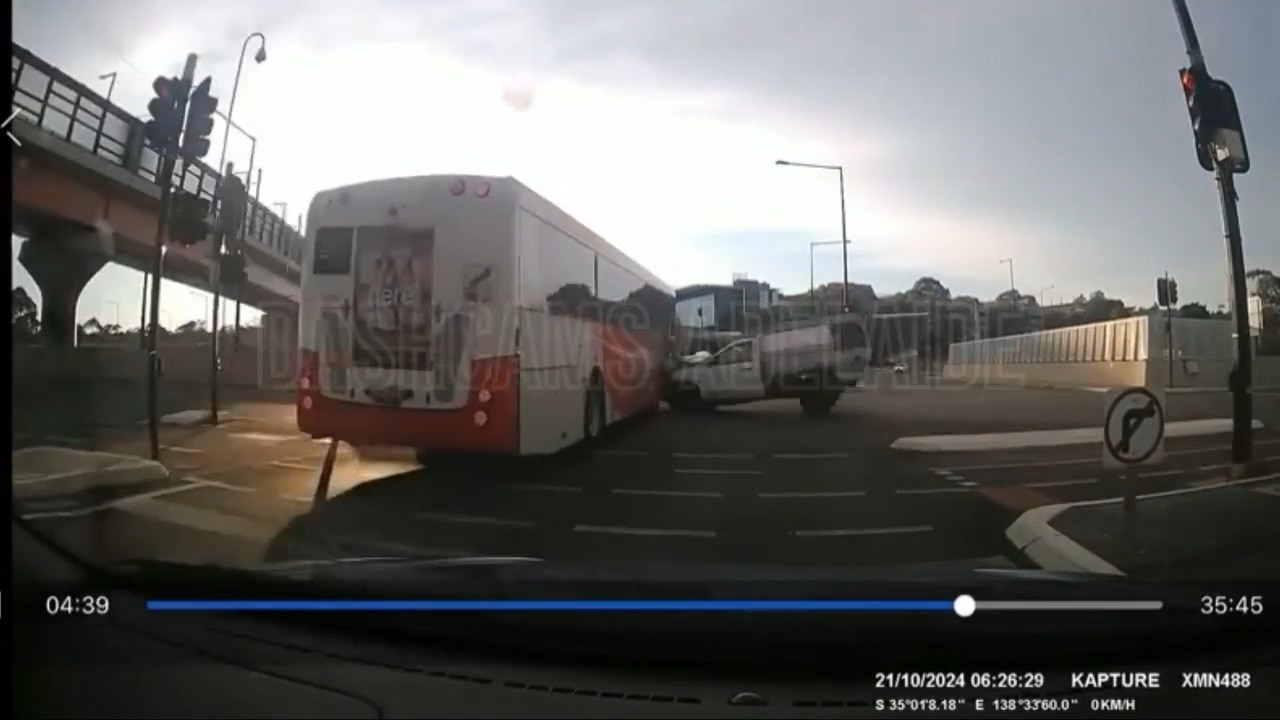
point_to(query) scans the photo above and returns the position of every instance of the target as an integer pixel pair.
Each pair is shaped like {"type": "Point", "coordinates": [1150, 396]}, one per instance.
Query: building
{"type": "Point", "coordinates": [725, 308]}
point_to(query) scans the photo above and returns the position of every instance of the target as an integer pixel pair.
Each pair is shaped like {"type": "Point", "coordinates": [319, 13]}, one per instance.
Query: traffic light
{"type": "Point", "coordinates": [1166, 292]}
{"type": "Point", "coordinates": [200, 110]}
{"type": "Point", "coordinates": [162, 128]}
{"type": "Point", "coordinates": [1215, 120]}
{"type": "Point", "coordinates": [233, 200]}
{"type": "Point", "coordinates": [189, 223]}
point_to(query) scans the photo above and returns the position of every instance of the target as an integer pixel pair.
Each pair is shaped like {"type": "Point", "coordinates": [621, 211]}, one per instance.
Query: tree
{"type": "Point", "coordinates": [92, 326]}
{"type": "Point", "coordinates": [26, 320]}
{"type": "Point", "coordinates": [1194, 311]}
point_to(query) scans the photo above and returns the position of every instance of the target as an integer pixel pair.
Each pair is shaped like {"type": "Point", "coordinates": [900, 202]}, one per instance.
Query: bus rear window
{"type": "Point", "coordinates": [333, 251]}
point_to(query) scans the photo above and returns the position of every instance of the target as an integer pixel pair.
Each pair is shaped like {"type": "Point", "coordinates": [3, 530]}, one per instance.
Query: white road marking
{"type": "Point", "coordinates": [1210, 468]}
{"type": "Point", "coordinates": [968, 483]}
{"type": "Point", "coordinates": [931, 491]}
{"type": "Point", "coordinates": [646, 532]}
{"type": "Point", "coordinates": [668, 493]}
{"type": "Point", "coordinates": [793, 495]}
{"type": "Point", "coordinates": [109, 505]}
{"type": "Point", "coordinates": [547, 488]}
{"type": "Point", "coordinates": [718, 456]}
{"type": "Point", "coordinates": [263, 437]}
{"type": "Point", "coordinates": [623, 453]}
{"type": "Point", "coordinates": [810, 456]}
{"type": "Point", "coordinates": [189, 516]}
{"type": "Point", "coordinates": [220, 485]}
{"type": "Point", "coordinates": [471, 519]}
{"type": "Point", "coordinates": [1160, 473]}
{"type": "Point", "coordinates": [1049, 438]}
{"type": "Point", "coordinates": [857, 532]}
{"type": "Point", "coordinates": [712, 471]}
{"type": "Point", "coordinates": [176, 449]}
{"type": "Point", "coordinates": [294, 465]}
{"type": "Point", "coordinates": [1088, 460]}
{"type": "Point", "coordinates": [1061, 483]}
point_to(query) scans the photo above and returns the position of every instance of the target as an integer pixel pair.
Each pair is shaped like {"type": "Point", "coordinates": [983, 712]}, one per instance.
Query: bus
{"type": "Point", "coordinates": [468, 314]}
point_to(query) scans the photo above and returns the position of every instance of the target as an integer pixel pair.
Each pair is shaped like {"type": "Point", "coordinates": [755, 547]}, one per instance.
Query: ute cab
{"type": "Point", "coordinates": [812, 361]}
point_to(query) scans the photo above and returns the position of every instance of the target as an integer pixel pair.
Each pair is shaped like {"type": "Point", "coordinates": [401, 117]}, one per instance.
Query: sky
{"type": "Point", "coordinates": [1050, 132]}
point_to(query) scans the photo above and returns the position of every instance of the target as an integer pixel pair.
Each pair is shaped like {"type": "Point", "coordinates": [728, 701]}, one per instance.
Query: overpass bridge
{"type": "Point", "coordinates": [86, 192]}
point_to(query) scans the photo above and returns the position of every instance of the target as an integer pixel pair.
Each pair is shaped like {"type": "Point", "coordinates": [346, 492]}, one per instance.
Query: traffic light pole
{"type": "Point", "coordinates": [168, 163]}
{"type": "Point", "coordinates": [1242, 373]}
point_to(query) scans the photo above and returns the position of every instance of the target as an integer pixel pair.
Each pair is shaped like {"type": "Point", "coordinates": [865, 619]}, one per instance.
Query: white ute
{"type": "Point", "coordinates": [813, 361]}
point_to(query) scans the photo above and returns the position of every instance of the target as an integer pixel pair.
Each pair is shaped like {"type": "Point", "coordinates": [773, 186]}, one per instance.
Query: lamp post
{"type": "Point", "coordinates": [813, 285]}
{"type": "Point", "coordinates": [844, 222]}
{"type": "Point", "coordinates": [258, 57]}
{"type": "Point", "coordinates": [1010, 263]}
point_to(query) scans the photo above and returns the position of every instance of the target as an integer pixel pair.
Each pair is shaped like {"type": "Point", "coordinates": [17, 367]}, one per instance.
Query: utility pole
{"type": "Point", "coordinates": [168, 108]}
{"type": "Point", "coordinates": [1221, 149]}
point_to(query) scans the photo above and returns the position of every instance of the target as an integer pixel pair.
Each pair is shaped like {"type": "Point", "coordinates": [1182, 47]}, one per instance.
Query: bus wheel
{"type": "Point", "coordinates": [593, 415]}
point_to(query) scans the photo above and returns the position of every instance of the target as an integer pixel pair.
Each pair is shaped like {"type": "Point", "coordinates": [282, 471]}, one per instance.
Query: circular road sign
{"type": "Point", "coordinates": [1134, 426]}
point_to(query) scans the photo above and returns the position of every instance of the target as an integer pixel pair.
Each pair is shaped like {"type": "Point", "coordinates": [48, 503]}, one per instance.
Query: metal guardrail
{"type": "Point", "coordinates": [64, 107]}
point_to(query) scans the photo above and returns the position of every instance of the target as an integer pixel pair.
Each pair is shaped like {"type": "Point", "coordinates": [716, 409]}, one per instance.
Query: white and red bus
{"type": "Point", "coordinates": [466, 314]}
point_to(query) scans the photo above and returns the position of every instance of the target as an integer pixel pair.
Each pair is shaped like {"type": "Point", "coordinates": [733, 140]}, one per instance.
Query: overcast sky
{"type": "Point", "coordinates": [1052, 132]}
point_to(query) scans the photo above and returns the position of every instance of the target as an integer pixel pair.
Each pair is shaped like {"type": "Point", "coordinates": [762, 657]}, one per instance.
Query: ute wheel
{"type": "Point", "coordinates": [818, 404]}
{"type": "Point", "coordinates": [593, 412]}
{"type": "Point", "coordinates": [686, 399]}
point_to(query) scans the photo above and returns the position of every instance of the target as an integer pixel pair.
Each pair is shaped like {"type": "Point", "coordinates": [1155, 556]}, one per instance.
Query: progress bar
{"type": "Point", "coordinates": [966, 605]}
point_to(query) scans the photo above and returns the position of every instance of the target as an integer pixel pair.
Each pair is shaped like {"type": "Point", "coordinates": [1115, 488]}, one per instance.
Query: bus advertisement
{"type": "Point", "coordinates": [468, 314]}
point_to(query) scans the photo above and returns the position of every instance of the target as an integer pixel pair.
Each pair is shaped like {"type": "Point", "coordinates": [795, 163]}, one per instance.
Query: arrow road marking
{"type": "Point", "coordinates": [16, 114]}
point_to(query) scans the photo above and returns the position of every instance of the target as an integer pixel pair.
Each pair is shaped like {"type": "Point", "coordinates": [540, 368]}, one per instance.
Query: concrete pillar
{"type": "Point", "coordinates": [278, 350]}
{"type": "Point", "coordinates": [62, 260]}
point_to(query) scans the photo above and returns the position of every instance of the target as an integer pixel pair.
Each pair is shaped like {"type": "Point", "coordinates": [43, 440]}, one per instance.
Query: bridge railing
{"type": "Point", "coordinates": [64, 107]}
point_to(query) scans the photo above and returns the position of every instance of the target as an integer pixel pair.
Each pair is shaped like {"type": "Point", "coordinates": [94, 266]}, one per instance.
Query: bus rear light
{"type": "Point", "coordinates": [480, 418]}
{"type": "Point", "coordinates": [482, 189]}
{"type": "Point", "coordinates": [484, 395]}
{"type": "Point", "coordinates": [457, 187]}
{"type": "Point", "coordinates": [305, 383]}
{"type": "Point", "coordinates": [307, 402]}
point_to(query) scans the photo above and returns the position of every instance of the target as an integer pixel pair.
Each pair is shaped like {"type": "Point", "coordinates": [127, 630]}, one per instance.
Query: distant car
{"type": "Point", "coordinates": [899, 369]}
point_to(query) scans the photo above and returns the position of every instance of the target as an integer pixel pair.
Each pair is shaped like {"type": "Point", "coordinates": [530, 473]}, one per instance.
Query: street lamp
{"type": "Point", "coordinates": [844, 224]}
{"type": "Point", "coordinates": [1010, 262]}
{"type": "Point", "coordinates": [258, 57]}
{"type": "Point", "coordinates": [110, 87]}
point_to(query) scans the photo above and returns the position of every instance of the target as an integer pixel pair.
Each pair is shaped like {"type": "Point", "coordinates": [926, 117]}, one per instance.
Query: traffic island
{"type": "Point", "coordinates": [55, 481]}
{"type": "Point", "coordinates": [1221, 530]}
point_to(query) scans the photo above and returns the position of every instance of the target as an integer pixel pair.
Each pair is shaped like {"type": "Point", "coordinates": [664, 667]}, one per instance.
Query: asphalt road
{"type": "Point", "coordinates": [757, 483]}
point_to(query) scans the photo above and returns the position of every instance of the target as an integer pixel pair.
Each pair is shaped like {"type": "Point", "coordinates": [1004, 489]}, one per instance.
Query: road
{"type": "Point", "coordinates": [758, 483]}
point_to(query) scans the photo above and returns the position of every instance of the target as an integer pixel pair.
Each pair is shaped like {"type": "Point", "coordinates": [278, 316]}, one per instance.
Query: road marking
{"type": "Point", "coordinates": [1061, 483]}
{"type": "Point", "coordinates": [472, 519]}
{"type": "Point", "coordinates": [967, 483]}
{"type": "Point", "coordinates": [718, 456]}
{"type": "Point", "coordinates": [263, 437]}
{"type": "Point", "coordinates": [1160, 473]}
{"type": "Point", "coordinates": [858, 532]}
{"type": "Point", "coordinates": [1268, 489]}
{"type": "Point", "coordinates": [647, 532]}
{"type": "Point", "coordinates": [293, 465]}
{"type": "Point", "coordinates": [668, 493]}
{"type": "Point", "coordinates": [623, 453]}
{"type": "Point", "coordinates": [793, 495]}
{"type": "Point", "coordinates": [810, 456]}
{"type": "Point", "coordinates": [547, 488]}
{"type": "Point", "coordinates": [932, 491]}
{"type": "Point", "coordinates": [196, 518]}
{"type": "Point", "coordinates": [1087, 461]}
{"type": "Point", "coordinates": [109, 505]}
{"type": "Point", "coordinates": [67, 439]}
{"type": "Point", "coordinates": [712, 471]}
{"type": "Point", "coordinates": [1049, 438]}
{"type": "Point", "coordinates": [1210, 468]}
{"type": "Point", "coordinates": [220, 485]}
{"type": "Point", "coordinates": [176, 449]}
